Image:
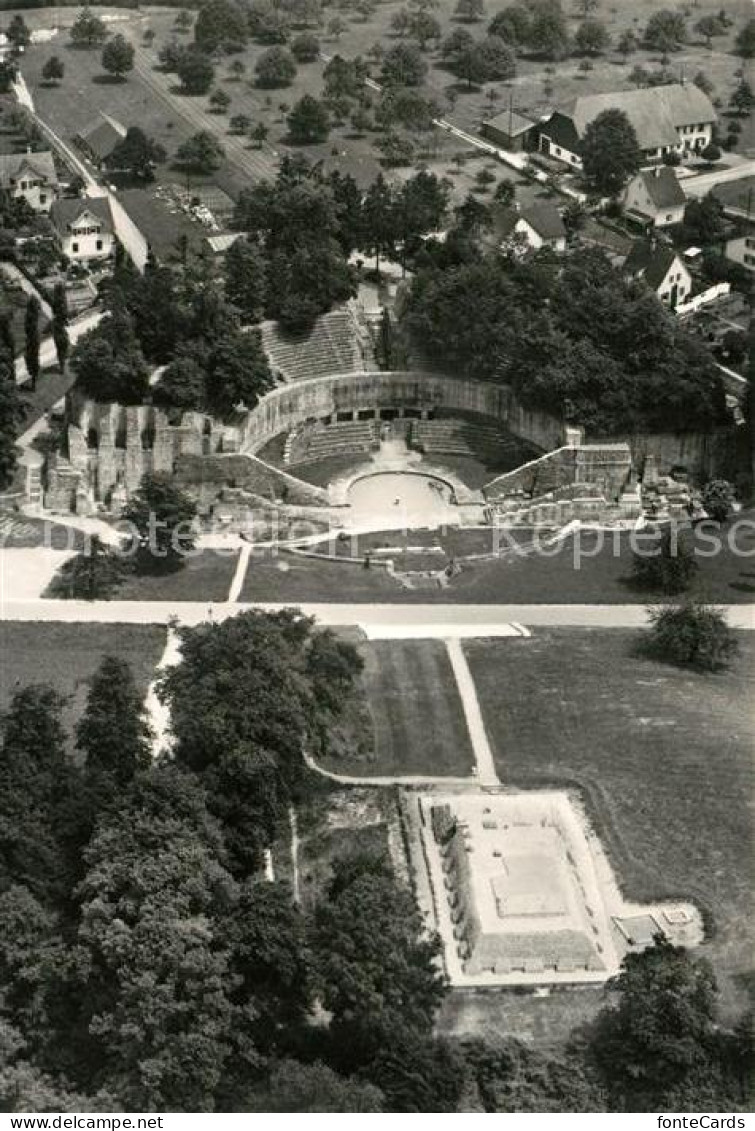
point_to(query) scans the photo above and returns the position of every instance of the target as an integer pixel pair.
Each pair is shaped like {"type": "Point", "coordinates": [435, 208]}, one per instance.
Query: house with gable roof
{"type": "Point", "coordinates": [85, 229]}
{"type": "Point", "coordinates": [32, 176]}
{"type": "Point", "coordinates": [676, 118]}
{"type": "Point", "coordinates": [540, 225]}
{"type": "Point", "coordinates": [658, 265]}
{"type": "Point", "coordinates": [655, 198]}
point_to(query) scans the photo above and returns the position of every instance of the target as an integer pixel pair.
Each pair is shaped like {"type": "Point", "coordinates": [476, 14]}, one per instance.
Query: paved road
{"type": "Point", "coordinates": [419, 621]}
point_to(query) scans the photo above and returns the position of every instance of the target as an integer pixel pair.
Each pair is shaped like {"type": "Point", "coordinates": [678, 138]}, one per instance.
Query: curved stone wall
{"type": "Point", "coordinates": [322, 398]}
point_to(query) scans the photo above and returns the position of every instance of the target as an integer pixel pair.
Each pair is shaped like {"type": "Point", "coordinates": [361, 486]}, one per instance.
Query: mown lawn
{"type": "Point", "coordinates": [204, 577]}
{"type": "Point", "coordinates": [662, 756]}
{"type": "Point", "coordinates": [416, 713]}
{"type": "Point", "coordinates": [67, 655]}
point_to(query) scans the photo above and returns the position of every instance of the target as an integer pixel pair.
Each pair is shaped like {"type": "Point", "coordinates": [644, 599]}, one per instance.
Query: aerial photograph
{"type": "Point", "coordinates": [377, 560]}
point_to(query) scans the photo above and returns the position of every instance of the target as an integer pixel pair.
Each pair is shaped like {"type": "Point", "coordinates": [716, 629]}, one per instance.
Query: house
{"type": "Point", "coordinates": [32, 176]}
{"type": "Point", "coordinates": [540, 225]}
{"type": "Point", "coordinates": [661, 268]}
{"type": "Point", "coordinates": [741, 250]}
{"type": "Point", "coordinates": [100, 138]}
{"type": "Point", "coordinates": [677, 118]}
{"type": "Point", "coordinates": [85, 229]}
{"type": "Point", "coordinates": [654, 198]}
{"type": "Point", "coordinates": [510, 130]}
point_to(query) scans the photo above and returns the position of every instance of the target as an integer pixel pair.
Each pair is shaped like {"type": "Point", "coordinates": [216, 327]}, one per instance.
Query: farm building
{"type": "Point", "coordinates": [511, 130]}
{"type": "Point", "coordinates": [99, 139]}
{"type": "Point", "coordinates": [677, 118]}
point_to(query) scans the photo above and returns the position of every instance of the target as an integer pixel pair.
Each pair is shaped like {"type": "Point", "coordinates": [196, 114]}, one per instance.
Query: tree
{"type": "Point", "coordinates": [704, 83]}
{"type": "Point", "coordinates": [610, 153]}
{"type": "Point", "coordinates": [113, 733]}
{"type": "Point", "coordinates": [201, 153]}
{"type": "Point", "coordinates": [195, 71]}
{"type": "Point", "coordinates": [275, 68]}
{"type": "Point", "coordinates": [306, 48]}
{"type": "Point", "coordinates": [162, 517]}
{"type": "Point", "coordinates": [336, 28]}
{"type": "Point", "coordinates": [403, 65]}
{"type": "Point", "coordinates": [709, 27]}
{"type": "Point", "coordinates": [137, 155]}
{"type": "Point", "coordinates": [548, 34]}
{"type": "Point", "coordinates": [31, 338]}
{"type": "Point", "coordinates": [666, 31]}
{"type": "Point", "coordinates": [512, 25]}
{"type": "Point", "coordinates": [221, 25]}
{"type": "Point", "coordinates": [744, 43]}
{"type": "Point", "coordinates": [181, 385]}
{"type": "Point", "coordinates": [667, 566]}
{"type": "Point", "coordinates": [690, 635]}
{"type": "Point", "coordinates": [12, 413]}
{"type": "Point", "coordinates": [656, 1041]}
{"type": "Point", "coordinates": [152, 975]}
{"type": "Point", "coordinates": [718, 496]}
{"type": "Point", "coordinates": [704, 220]}
{"type": "Point", "coordinates": [509, 1076]}
{"type": "Point", "coordinates": [315, 1087]}
{"type": "Point", "coordinates": [627, 43]}
{"type": "Point", "coordinates": [469, 10]}
{"type": "Point", "coordinates": [92, 575]}
{"type": "Point", "coordinates": [308, 122]}
{"type": "Point", "coordinates": [417, 1073]}
{"type": "Point", "coordinates": [118, 56]}
{"type": "Point", "coordinates": [171, 54]}
{"type": "Point", "coordinates": [591, 37]}
{"type": "Point", "coordinates": [18, 33]}
{"type": "Point", "coordinates": [220, 100]}
{"type": "Point", "coordinates": [742, 99]}
{"type": "Point", "coordinates": [238, 373]}
{"type": "Point", "coordinates": [379, 221]}
{"type": "Point", "coordinates": [259, 134]}
{"type": "Point", "coordinates": [711, 154]}
{"type": "Point", "coordinates": [36, 787]}
{"type": "Point", "coordinates": [88, 30]}
{"type": "Point", "coordinates": [53, 70]}
{"type": "Point", "coordinates": [424, 28]}
{"type": "Point", "coordinates": [108, 362]}
{"type": "Point", "coordinates": [239, 123]}
{"type": "Point", "coordinates": [375, 961]}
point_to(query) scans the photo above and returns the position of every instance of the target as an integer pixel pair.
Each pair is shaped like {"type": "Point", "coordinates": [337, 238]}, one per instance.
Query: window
{"type": "Point", "coordinates": [750, 260]}
{"type": "Point", "coordinates": [74, 247]}
{"type": "Point", "coordinates": [558, 152]}
{"type": "Point", "coordinates": [43, 198]}
{"type": "Point", "coordinates": [749, 241]}
{"type": "Point", "coordinates": [668, 216]}
{"type": "Point", "coordinates": [99, 245]}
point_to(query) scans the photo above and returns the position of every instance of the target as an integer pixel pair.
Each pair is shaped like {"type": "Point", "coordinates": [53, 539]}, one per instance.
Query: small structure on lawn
{"type": "Point", "coordinates": [662, 269]}
{"type": "Point", "coordinates": [511, 130]}
{"type": "Point", "coordinates": [654, 198]}
{"type": "Point", "coordinates": [31, 176]}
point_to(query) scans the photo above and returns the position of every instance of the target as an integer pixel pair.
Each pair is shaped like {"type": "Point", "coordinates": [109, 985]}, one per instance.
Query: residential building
{"type": "Point", "coordinates": [658, 265]}
{"type": "Point", "coordinates": [678, 118]}
{"type": "Point", "coordinates": [85, 229]}
{"type": "Point", "coordinates": [540, 225]}
{"type": "Point", "coordinates": [655, 198]}
{"type": "Point", "coordinates": [100, 138]}
{"type": "Point", "coordinates": [741, 249]}
{"type": "Point", "coordinates": [510, 130]}
{"type": "Point", "coordinates": [32, 176]}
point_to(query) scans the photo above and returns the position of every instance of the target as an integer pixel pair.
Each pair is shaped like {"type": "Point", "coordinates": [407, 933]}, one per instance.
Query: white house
{"type": "Point", "coordinates": [661, 268]}
{"type": "Point", "coordinates": [655, 197]}
{"type": "Point", "coordinates": [85, 229]}
{"type": "Point", "coordinates": [32, 176]}
{"type": "Point", "coordinates": [539, 225]}
{"type": "Point", "coordinates": [741, 250]}
{"type": "Point", "coordinates": [677, 118]}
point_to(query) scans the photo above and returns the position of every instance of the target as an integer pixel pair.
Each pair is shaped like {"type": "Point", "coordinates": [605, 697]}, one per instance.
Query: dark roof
{"type": "Point", "coordinates": [545, 218]}
{"type": "Point", "coordinates": [40, 163]}
{"type": "Point", "coordinates": [560, 129]}
{"type": "Point", "coordinates": [66, 211]}
{"type": "Point", "coordinates": [102, 136]}
{"type": "Point", "coordinates": [509, 122]}
{"type": "Point", "coordinates": [663, 188]}
{"type": "Point", "coordinates": [503, 221]}
{"type": "Point", "coordinates": [650, 262]}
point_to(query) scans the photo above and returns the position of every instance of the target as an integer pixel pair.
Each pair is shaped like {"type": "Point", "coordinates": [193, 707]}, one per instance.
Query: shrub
{"type": "Point", "coordinates": [691, 635]}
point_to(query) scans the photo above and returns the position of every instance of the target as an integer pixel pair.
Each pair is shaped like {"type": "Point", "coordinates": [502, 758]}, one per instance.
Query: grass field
{"type": "Point", "coordinates": [67, 655]}
{"type": "Point", "coordinates": [205, 577]}
{"type": "Point", "coordinates": [550, 577]}
{"type": "Point", "coordinates": [416, 712]}
{"type": "Point", "coordinates": [663, 758]}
